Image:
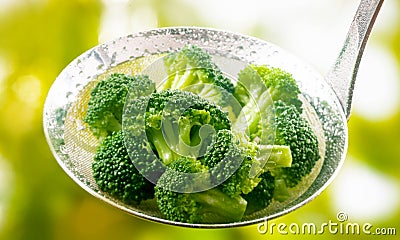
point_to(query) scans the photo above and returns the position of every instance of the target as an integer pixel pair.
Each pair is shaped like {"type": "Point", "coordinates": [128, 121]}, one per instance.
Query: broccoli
{"type": "Point", "coordinates": [182, 148]}
{"type": "Point", "coordinates": [261, 196]}
{"type": "Point", "coordinates": [210, 206]}
{"type": "Point", "coordinates": [291, 129]}
{"type": "Point", "coordinates": [231, 163]}
{"type": "Point", "coordinates": [107, 100]}
{"type": "Point", "coordinates": [277, 121]}
{"type": "Point", "coordinates": [226, 162]}
{"type": "Point", "coordinates": [166, 125]}
{"type": "Point", "coordinates": [192, 69]}
{"type": "Point", "coordinates": [258, 87]}
{"type": "Point", "coordinates": [115, 173]}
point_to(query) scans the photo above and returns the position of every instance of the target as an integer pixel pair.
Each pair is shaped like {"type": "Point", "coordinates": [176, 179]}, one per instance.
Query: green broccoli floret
{"type": "Point", "coordinates": [192, 68]}
{"type": "Point", "coordinates": [271, 114]}
{"type": "Point", "coordinates": [210, 206]}
{"type": "Point", "coordinates": [258, 87]}
{"type": "Point", "coordinates": [170, 124]}
{"type": "Point", "coordinates": [107, 100]}
{"type": "Point", "coordinates": [255, 79]}
{"type": "Point", "coordinates": [291, 129]}
{"type": "Point", "coordinates": [261, 196]}
{"type": "Point", "coordinates": [232, 163]}
{"type": "Point", "coordinates": [115, 173]}
{"type": "Point", "coordinates": [229, 165]}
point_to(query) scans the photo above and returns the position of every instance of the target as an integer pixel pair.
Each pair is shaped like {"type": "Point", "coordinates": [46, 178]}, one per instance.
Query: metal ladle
{"type": "Point", "coordinates": [329, 98]}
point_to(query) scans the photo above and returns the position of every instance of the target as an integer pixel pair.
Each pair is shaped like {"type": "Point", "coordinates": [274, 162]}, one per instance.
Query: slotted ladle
{"type": "Point", "coordinates": [329, 98]}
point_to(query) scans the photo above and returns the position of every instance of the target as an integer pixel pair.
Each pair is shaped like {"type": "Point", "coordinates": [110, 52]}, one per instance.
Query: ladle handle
{"type": "Point", "coordinates": [342, 75]}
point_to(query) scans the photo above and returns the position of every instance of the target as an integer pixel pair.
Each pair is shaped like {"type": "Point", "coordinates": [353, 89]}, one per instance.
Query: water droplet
{"type": "Point", "coordinates": [63, 149]}
{"type": "Point", "coordinates": [80, 125]}
{"type": "Point", "coordinates": [100, 66]}
{"type": "Point", "coordinates": [79, 86]}
{"type": "Point", "coordinates": [69, 96]}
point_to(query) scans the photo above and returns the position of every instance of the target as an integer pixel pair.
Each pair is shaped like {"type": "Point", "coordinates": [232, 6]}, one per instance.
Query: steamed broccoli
{"type": "Point", "coordinates": [169, 124]}
{"type": "Point", "coordinates": [226, 169]}
{"type": "Point", "coordinates": [229, 165]}
{"type": "Point", "coordinates": [115, 173]}
{"type": "Point", "coordinates": [231, 162]}
{"type": "Point", "coordinates": [261, 196]}
{"type": "Point", "coordinates": [254, 80]}
{"type": "Point", "coordinates": [292, 130]}
{"type": "Point", "coordinates": [192, 69]}
{"type": "Point", "coordinates": [210, 206]}
{"type": "Point", "coordinates": [107, 100]}
{"type": "Point", "coordinates": [181, 148]}
{"type": "Point", "coordinates": [258, 87]}
{"type": "Point", "coordinates": [271, 114]}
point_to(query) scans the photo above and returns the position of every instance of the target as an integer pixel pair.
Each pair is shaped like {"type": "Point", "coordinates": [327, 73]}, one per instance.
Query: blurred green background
{"type": "Point", "coordinates": [38, 38]}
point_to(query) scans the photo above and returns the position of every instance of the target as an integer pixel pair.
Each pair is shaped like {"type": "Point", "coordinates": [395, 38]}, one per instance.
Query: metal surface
{"type": "Point", "coordinates": [342, 76]}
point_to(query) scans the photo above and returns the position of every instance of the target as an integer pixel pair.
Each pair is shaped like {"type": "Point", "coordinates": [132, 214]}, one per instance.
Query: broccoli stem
{"type": "Point", "coordinates": [269, 158]}
{"type": "Point", "coordinates": [185, 128]}
{"type": "Point", "coordinates": [114, 125]}
{"type": "Point", "coordinates": [209, 91]}
{"type": "Point", "coordinates": [274, 156]}
{"type": "Point", "coordinates": [281, 193]}
{"type": "Point", "coordinates": [247, 119]}
{"type": "Point", "coordinates": [251, 114]}
{"type": "Point", "coordinates": [183, 80]}
{"type": "Point", "coordinates": [218, 207]}
{"type": "Point", "coordinates": [185, 145]}
{"type": "Point", "coordinates": [163, 150]}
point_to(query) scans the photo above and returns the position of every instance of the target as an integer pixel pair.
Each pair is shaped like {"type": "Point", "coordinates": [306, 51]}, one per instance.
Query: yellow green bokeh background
{"type": "Point", "coordinates": [38, 38]}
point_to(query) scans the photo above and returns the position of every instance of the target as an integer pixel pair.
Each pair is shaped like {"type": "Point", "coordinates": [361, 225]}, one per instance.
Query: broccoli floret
{"type": "Point", "coordinates": [291, 129]}
{"type": "Point", "coordinates": [229, 165]}
{"type": "Point", "coordinates": [280, 84]}
{"type": "Point", "coordinates": [192, 69]}
{"type": "Point", "coordinates": [210, 206]}
{"type": "Point", "coordinates": [166, 125]}
{"type": "Point", "coordinates": [271, 114]}
{"type": "Point", "coordinates": [255, 79]}
{"type": "Point", "coordinates": [238, 168]}
{"type": "Point", "coordinates": [258, 87]}
{"type": "Point", "coordinates": [261, 196]}
{"type": "Point", "coordinates": [115, 173]}
{"type": "Point", "coordinates": [107, 100]}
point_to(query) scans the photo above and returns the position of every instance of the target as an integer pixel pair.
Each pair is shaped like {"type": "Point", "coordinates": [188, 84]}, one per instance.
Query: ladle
{"type": "Point", "coordinates": [343, 74]}
{"type": "Point", "coordinates": [329, 98]}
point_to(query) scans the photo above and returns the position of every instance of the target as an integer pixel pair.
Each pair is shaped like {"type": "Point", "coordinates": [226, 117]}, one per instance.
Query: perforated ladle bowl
{"type": "Point", "coordinates": [328, 98]}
